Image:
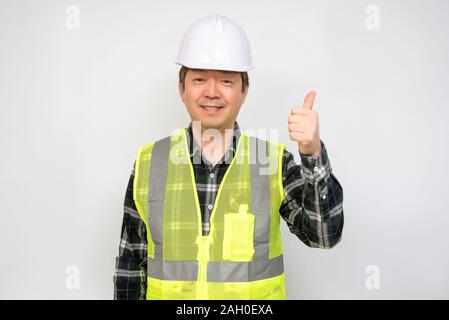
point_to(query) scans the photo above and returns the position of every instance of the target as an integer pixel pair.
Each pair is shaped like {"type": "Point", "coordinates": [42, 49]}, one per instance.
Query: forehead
{"type": "Point", "coordinates": [218, 72]}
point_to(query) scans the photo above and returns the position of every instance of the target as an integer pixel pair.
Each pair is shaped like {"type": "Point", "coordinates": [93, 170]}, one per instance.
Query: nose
{"type": "Point", "coordinates": [211, 91]}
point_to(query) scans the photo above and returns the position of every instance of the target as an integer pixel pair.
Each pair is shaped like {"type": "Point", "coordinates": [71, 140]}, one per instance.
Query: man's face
{"type": "Point", "coordinates": [213, 97]}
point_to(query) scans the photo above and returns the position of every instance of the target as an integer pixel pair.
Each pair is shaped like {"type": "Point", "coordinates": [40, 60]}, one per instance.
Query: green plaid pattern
{"type": "Point", "coordinates": [312, 209]}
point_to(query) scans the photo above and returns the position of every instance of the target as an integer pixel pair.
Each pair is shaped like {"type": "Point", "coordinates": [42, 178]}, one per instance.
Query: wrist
{"type": "Point", "coordinates": [313, 152]}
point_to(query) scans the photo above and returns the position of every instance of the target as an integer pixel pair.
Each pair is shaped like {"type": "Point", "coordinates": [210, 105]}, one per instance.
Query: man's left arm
{"type": "Point", "coordinates": [313, 204]}
{"type": "Point", "coordinates": [313, 200]}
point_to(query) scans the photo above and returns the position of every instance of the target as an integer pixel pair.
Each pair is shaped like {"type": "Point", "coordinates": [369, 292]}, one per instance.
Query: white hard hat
{"type": "Point", "coordinates": [215, 42]}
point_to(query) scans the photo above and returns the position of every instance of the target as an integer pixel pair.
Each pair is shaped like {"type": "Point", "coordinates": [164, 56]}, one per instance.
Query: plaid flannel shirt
{"type": "Point", "coordinates": [312, 209]}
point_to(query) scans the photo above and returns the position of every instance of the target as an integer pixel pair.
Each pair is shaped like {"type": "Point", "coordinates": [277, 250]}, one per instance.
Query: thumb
{"type": "Point", "coordinates": [309, 99]}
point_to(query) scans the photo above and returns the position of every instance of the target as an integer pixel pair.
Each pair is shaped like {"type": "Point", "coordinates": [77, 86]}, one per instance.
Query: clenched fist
{"type": "Point", "coordinates": [303, 127]}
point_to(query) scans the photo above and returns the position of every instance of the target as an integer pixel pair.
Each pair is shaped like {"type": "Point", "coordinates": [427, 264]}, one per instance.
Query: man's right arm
{"type": "Point", "coordinates": [130, 278]}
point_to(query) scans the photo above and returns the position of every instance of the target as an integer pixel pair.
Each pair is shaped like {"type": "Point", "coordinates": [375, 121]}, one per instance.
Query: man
{"type": "Point", "coordinates": [202, 208]}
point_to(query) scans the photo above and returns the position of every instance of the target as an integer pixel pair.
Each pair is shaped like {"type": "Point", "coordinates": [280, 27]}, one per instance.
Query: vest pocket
{"type": "Point", "coordinates": [238, 236]}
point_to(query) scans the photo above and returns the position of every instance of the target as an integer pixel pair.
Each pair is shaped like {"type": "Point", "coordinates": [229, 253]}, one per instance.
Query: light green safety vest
{"type": "Point", "coordinates": [241, 258]}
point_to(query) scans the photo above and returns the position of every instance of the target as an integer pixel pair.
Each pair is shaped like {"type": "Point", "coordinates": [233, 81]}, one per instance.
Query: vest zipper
{"type": "Point", "coordinates": [203, 243]}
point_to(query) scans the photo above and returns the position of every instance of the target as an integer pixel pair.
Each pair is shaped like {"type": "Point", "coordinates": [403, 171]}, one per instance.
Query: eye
{"type": "Point", "coordinates": [227, 82]}
{"type": "Point", "coordinates": [198, 79]}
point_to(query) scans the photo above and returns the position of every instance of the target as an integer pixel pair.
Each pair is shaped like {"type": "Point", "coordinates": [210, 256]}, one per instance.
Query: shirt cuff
{"type": "Point", "coordinates": [315, 168]}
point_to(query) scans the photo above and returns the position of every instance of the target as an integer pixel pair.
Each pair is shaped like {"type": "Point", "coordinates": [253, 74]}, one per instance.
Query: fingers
{"type": "Point", "coordinates": [301, 110]}
{"type": "Point", "coordinates": [299, 127]}
{"type": "Point", "coordinates": [301, 118]}
{"type": "Point", "coordinates": [303, 137]}
{"type": "Point", "coordinates": [303, 124]}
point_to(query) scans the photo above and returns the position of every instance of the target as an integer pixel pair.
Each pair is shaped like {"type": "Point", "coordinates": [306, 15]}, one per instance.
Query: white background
{"type": "Point", "coordinates": [76, 104]}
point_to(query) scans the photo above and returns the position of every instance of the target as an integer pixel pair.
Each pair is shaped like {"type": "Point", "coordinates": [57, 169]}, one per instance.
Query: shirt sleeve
{"type": "Point", "coordinates": [313, 200]}
{"type": "Point", "coordinates": [130, 277]}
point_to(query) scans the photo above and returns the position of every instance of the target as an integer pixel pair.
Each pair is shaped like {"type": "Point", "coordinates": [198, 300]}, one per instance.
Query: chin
{"type": "Point", "coordinates": [211, 124]}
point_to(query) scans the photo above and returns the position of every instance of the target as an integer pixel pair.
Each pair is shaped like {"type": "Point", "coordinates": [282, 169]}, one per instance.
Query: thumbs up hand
{"type": "Point", "coordinates": [303, 127]}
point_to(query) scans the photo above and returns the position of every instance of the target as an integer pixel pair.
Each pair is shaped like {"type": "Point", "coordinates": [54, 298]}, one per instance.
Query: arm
{"type": "Point", "coordinates": [313, 204]}
{"type": "Point", "coordinates": [130, 278]}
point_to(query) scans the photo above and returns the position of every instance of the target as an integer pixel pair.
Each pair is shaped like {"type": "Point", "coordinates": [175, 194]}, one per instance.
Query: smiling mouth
{"type": "Point", "coordinates": [211, 108]}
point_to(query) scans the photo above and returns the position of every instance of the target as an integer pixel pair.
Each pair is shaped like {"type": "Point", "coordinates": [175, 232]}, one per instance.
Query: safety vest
{"type": "Point", "coordinates": [241, 258]}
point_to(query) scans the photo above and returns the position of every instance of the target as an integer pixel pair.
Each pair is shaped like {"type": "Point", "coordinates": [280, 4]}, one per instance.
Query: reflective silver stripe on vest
{"type": "Point", "coordinates": [173, 270]}
{"type": "Point", "coordinates": [156, 192]}
{"type": "Point", "coordinates": [260, 197]}
{"type": "Point", "coordinates": [244, 271]}
{"type": "Point", "coordinates": [216, 271]}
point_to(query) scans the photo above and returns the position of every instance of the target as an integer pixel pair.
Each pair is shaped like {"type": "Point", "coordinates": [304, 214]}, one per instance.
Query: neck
{"type": "Point", "coordinates": [212, 141]}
